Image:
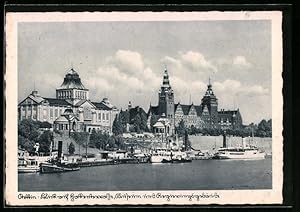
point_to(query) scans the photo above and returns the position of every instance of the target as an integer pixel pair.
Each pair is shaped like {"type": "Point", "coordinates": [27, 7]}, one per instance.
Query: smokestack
{"type": "Point", "coordinates": [224, 139]}
{"type": "Point", "coordinates": [59, 149]}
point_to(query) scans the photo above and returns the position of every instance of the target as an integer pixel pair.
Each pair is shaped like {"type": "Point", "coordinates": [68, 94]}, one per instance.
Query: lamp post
{"type": "Point", "coordinates": [86, 144]}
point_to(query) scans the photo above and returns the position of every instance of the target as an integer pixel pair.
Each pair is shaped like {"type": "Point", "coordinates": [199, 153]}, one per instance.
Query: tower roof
{"type": "Point", "coordinates": [72, 81]}
{"type": "Point", "coordinates": [166, 81]}
{"type": "Point", "coordinates": [209, 91]}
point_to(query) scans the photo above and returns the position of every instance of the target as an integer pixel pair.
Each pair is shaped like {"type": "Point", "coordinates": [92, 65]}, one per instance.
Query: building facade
{"type": "Point", "coordinates": [205, 115]}
{"type": "Point", "coordinates": [165, 107]}
{"type": "Point", "coordinates": [71, 110]}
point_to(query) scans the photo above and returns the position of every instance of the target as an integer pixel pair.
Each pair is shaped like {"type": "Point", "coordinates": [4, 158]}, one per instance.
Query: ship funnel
{"type": "Point", "coordinates": [59, 149]}
{"type": "Point", "coordinates": [224, 139]}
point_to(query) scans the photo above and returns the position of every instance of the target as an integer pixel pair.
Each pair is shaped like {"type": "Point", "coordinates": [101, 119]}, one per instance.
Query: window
{"type": "Point", "coordinates": [51, 113]}
{"type": "Point", "coordinates": [34, 112]}
{"type": "Point", "coordinates": [99, 116]}
{"type": "Point", "coordinates": [103, 116]}
{"type": "Point", "coordinates": [61, 127]}
{"type": "Point", "coordinates": [29, 111]}
{"type": "Point", "coordinates": [45, 113]}
{"type": "Point", "coordinates": [107, 116]}
{"type": "Point", "coordinates": [56, 112]}
{"type": "Point", "coordinates": [66, 127]}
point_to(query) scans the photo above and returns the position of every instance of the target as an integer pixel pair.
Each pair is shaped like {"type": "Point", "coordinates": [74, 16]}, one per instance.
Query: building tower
{"type": "Point", "coordinates": [72, 89]}
{"type": "Point", "coordinates": [209, 106]}
{"type": "Point", "coordinates": [166, 99]}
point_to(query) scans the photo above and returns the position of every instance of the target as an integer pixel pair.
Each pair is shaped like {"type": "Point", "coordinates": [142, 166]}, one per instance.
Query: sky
{"type": "Point", "coordinates": [124, 61]}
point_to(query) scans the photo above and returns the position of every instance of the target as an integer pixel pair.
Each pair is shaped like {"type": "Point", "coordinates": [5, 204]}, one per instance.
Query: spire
{"type": "Point", "coordinates": [209, 90]}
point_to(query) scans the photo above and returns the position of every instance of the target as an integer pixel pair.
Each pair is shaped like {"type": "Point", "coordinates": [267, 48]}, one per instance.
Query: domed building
{"type": "Point", "coordinates": [71, 109]}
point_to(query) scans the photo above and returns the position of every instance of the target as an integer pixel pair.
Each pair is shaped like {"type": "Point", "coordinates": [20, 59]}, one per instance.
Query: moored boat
{"type": "Point", "coordinates": [240, 153]}
{"type": "Point", "coordinates": [58, 167]}
{"type": "Point", "coordinates": [160, 156]}
{"type": "Point", "coordinates": [28, 165]}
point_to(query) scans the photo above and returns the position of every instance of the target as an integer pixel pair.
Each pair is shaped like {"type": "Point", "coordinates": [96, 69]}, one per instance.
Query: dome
{"type": "Point", "coordinates": [72, 81]}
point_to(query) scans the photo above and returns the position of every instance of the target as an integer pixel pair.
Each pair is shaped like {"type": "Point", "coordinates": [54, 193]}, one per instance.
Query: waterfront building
{"type": "Point", "coordinates": [165, 105]}
{"type": "Point", "coordinates": [133, 115]}
{"type": "Point", "coordinates": [71, 110]}
{"type": "Point", "coordinates": [205, 115]}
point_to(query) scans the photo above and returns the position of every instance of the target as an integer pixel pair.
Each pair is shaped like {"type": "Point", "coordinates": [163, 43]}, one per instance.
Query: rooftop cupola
{"type": "Point", "coordinates": [209, 91]}
{"type": "Point", "coordinates": [166, 81]}
{"type": "Point", "coordinates": [72, 88]}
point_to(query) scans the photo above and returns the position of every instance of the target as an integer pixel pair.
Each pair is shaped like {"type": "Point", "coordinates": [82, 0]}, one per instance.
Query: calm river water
{"type": "Point", "coordinates": [198, 175]}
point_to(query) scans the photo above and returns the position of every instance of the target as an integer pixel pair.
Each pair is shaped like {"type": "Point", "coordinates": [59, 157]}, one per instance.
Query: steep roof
{"type": "Point", "coordinates": [153, 110]}
{"type": "Point", "coordinates": [101, 106]}
{"type": "Point", "coordinates": [227, 113]}
{"type": "Point", "coordinates": [34, 96]}
{"type": "Point", "coordinates": [198, 109]}
{"type": "Point", "coordinates": [136, 110]}
{"type": "Point", "coordinates": [53, 101]}
{"type": "Point", "coordinates": [186, 108]}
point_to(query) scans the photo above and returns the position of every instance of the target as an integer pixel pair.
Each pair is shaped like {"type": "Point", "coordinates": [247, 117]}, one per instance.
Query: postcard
{"type": "Point", "coordinates": [135, 108]}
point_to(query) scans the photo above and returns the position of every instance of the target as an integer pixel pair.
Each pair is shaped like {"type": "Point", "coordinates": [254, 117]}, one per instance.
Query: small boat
{"type": "Point", "coordinates": [28, 165]}
{"type": "Point", "coordinates": [203, 156]}
{"type": "Point", "coordinates": [160, 156]}
{"type": "Point", "coordinates": [58, 167]}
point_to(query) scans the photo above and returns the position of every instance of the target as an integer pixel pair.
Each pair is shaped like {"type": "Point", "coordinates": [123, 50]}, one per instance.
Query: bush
{"type": "Point", "coordinates": [71, 148]}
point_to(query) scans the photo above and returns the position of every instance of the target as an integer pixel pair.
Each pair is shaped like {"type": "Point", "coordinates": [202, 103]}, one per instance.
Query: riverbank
{"type": "Point", "coordinates": [198, 175]}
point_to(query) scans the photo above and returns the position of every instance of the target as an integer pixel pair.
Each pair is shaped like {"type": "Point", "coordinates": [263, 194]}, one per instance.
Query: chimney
{"type": "Point", "coordinates": [34, 93]}
{"type": "Point", "coordinates": [224, 139]}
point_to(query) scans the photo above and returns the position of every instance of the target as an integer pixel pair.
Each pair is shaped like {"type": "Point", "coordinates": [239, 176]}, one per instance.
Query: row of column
{"type": "Point", "coordinates": [69, 94]}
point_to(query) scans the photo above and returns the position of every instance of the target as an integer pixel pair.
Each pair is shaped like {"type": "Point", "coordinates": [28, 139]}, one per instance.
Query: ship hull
{"type": "Point", "coordinates": [53, 168]}
{"type": "Point", "coordinates": [241, 156]}
{"type": "Point", "coordinates": [28, 169]}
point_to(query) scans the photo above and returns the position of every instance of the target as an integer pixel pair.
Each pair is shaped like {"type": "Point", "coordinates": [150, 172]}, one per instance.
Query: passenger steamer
{"type": "Point", "coordinates": [244, 152]}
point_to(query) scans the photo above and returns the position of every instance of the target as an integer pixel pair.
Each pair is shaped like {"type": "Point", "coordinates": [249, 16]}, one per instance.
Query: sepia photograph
{"type": "Point", "coordinates": [144, 108]}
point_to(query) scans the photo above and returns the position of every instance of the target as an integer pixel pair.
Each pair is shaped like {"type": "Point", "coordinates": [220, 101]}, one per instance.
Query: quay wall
{"type": "Point", "coordinates": [209, 142]}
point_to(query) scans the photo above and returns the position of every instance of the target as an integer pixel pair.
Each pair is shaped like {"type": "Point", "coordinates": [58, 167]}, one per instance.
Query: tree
{"type": "Point", "coordinates": [124, 119]}
{"type": "Point", "coordinates": [153, 120]}
{"type": "Point", "coordinates": [111, 142]}
{"type": "Point", "coordinates": [80, 137]}
{"type": "Point", "coordinates": [117, 127]}
{"type": "Point", "coordinates": [98, 139]}
{"type": "Point", "coordinates": [137, 123]}
{"type": "Point", "coordinates": [26, 144]}
{"type": "Point", "coordinates": [45, 124]}
{"type": "Point", "coordinates": [45, 141]}
{"type": "Point", "coordinates": [143, 124]}
{"type": "Point", "coordinates": [29, 129]}
{"type": "Point", "coordinates": [181, 129]}
{"type": "Point", "coordinates": [28, 134]}
{"type": "Point", "coordinates": [71, 148]}
{"type": "Point", "coordinates": [263, 128]}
